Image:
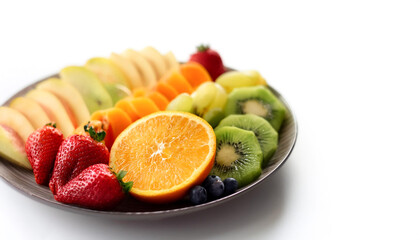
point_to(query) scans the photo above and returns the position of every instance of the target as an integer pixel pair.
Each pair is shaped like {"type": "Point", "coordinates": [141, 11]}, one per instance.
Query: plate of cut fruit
{"type": "Point", "coordinates": [140, 134]}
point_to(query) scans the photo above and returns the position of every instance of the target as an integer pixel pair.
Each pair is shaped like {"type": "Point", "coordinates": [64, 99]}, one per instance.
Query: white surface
{"type": "Point", "coordinates": [349, 70]}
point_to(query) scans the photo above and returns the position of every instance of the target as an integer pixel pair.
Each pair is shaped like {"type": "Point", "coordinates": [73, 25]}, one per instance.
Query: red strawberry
{"type": "Point", "coordinates": [210, 60]}
{"type": "Point", "coordinates": [76, 153]}
{"type": "Point", "coordinates": [95, 187]}
{"type": "Point", "coordinates": [41, 148]}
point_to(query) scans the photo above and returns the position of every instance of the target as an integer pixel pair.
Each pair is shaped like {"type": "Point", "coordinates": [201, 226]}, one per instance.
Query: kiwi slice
{"type": "Point", "coordinates": [257, 100]}
{"type": "Point", "coordinates": [238, 155]}
{"type": "Point", "coordinates": [265, 133]}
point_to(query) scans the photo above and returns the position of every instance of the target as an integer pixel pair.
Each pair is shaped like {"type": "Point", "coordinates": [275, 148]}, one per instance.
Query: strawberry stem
{"type": "Point", "coordinates": [126, 186]}
{"type": "Point", "coordinates": [203, 48]}
{"type": "Point", "coordinates": [52, 124]}
{"type": "Point", "coordinates": [97, 136]}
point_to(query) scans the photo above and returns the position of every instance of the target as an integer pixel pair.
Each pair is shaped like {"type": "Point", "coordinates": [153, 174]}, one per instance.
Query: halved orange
{"type": "Point", "coordinates": [164, 154]}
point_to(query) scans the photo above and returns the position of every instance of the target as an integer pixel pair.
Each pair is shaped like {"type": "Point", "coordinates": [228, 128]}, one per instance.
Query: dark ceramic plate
{"type": "Point", "coordinates": [23, 180]}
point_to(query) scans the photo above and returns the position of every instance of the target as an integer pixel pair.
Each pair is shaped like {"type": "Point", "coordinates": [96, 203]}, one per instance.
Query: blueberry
{"type": "Point", "coordinates": [216, 189]}
{"type": "Point", "coordinates": [230, 185]}
{"type": "Point", "coordinates": [198, 195]}
{"type": "Point", "coordinates": [209, 180]}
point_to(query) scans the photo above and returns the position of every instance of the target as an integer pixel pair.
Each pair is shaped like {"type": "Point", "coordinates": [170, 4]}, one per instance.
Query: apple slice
{"type": "Point", "coordinates": [90, 87]}
{"type": "Point", "coordinates": [143, 66]}
{"type": "Point", "coordinates": [54, 109]}
{"type": "Point", "coordinates": [171, 62]}
{"type": "Point", "coordinates": [12, 147]}
{"type": "Point", "coordinates": [117, 91]}
{"type": "Point", "coordinates": [107, 71]}
{"type": "Point", "coordinates": [156, 60]}
{"type": "Point", "coordinates": [17, 121]}
{"type": "Point", "coordinates": [129, 69]}
{"type": "Point", "coordinates": [69, 97]}
{"type": "Point", "coordinates": [31, 110]}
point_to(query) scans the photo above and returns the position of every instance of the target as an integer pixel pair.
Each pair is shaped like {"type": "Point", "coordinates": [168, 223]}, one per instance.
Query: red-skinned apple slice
{"type": "Point", "coordinates": [12, 147]}
{"type": "Point", "coordinates": [17, 121]}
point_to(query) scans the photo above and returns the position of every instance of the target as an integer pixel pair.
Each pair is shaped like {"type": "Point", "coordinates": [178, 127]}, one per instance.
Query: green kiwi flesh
{"type": "Point", "coordinates": [257, 100]}
{"type": "Point", "coordinates": [265, 133]}
{"type": "Point", "coordinates": [238, 155]}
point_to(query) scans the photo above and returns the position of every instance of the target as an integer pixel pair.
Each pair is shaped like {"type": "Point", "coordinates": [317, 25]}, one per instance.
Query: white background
{"type": "Point", "coordinates": [348, 68]}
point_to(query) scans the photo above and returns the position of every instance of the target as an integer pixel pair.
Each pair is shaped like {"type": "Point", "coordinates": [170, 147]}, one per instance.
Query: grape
{"type": "Point", "coordinates": [257, 75]}
{"type": "Point", "coordinates": [214, 116]}
{"type": "Point", "coordinates": [235, 79]}
{"type": "Point", "coordinates": [203, 97]}
{"type": "Point", "coordinates": [183, 103]}
{"type": "Point", "coordinates": [220, 98]}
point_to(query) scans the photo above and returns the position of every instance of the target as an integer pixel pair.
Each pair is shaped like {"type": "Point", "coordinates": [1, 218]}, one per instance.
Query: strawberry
{"type": "Point", "coordinates": [96, 187]}
{"type": "Point", "coordinates": [41, 148]}
{"type": "Point", "coordinates": [210, 60]}
{"type": "Point", "coordinates": [75, 154]}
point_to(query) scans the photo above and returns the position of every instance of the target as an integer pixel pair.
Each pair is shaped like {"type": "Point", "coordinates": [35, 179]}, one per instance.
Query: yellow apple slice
{"type": "Point", "coordinates": [89, 86]}
{"type": "Point", "coordinates": [17, 121]}
{"type": "Point", "coordinates": [171, 61]}
{"type": "Point", "coordinates": [71, 99]}
{"type": "Point", "coordinates": [107, 71]}
{"type": "Point", "coordinates": [117, 91]}
{"type": "Point", "coordinates": [143, 66]}
{"type": "Point", "coordinates": [12, 147]}
{"type": "Point", "coordinates": [54, 109]}
{"type": "Point", "coordinates": [31, 110]}
{"type": "Point", "coordinates": [129, 69]}
{"type": "Point", "coordinates": [155, 59]}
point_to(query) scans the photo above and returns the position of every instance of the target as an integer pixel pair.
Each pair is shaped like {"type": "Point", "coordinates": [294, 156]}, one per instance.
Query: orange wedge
{"type": "Point", "coordinates": [195, 73]}
{"type": "Point", "coordinates": [119, 121]}
{"type": "Point", "coordinates": [100, 116]}
{"type": "Point", "coordinates": [166, 90]}
{"type": "Point", "coordinates": [164, 154]}
{"type": "Point", "coordinates": [126, 106]}
{"type": "Point", "coordinates": [178, 81]}
{"type": "Point", "coordinates": [116, 119]}
{"type": "Point", "coordinates": [97, 125]}
{"type": "Point", "coordinates": [160, 100]}
{"type": "Point", "coordinates": [139, 92]}
{"type": "Point", "coordinates": [144, 106]}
